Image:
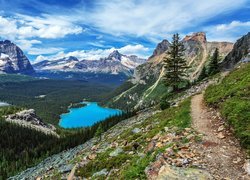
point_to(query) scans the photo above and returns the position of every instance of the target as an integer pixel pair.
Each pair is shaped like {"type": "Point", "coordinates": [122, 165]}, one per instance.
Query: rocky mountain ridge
{"type": "Point", "coordinates": [115, 63]}
{"type": "Point", "coordinates": [240, 52]}
{"type": "Point", "coordinates": [146, 88]}
{"type": "Point", "coordinates": [13, 60]}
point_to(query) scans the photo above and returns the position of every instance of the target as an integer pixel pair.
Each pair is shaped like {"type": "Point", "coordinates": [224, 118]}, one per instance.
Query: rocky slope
{"type": "Point", "coordinates": [240, 52]}
{"type": "Point", "coordinates": [146, 88]}
{"type": "Point", "coordinates": [115, 63]}
{"type": "Point", "coordinates": [13, 60]}
{"type": "Point", "coordinates": [153, 145]}
{"type": "Point", "coordinates": [28, 118]}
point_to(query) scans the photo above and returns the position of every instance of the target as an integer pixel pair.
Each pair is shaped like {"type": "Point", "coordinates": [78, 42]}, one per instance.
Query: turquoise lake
{"type": "Point", "coordinates": [86, 116]}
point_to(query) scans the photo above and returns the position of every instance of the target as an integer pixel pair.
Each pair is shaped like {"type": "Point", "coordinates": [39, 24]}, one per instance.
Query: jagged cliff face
{"type": "Point", "coordinates": [240, 52]}
{"type": "Point", "coordinates": [13, 60]}
{"type": "Point", "coordinates": [146, 87]}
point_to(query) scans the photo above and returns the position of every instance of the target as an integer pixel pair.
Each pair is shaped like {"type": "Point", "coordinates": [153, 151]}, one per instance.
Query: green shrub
{"type": "Point", "coordinates": [164, 105]}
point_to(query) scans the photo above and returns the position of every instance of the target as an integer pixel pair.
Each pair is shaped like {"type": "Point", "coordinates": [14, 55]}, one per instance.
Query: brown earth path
{"type": "Point", "coordinates": [221, 152]}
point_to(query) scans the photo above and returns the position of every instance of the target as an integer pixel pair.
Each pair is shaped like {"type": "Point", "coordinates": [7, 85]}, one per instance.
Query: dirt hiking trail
{"type": "Point", "coordinates": [221, 152]}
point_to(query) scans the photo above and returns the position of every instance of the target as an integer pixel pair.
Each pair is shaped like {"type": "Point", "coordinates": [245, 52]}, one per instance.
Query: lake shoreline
{"type": "Point", "coordinates": [86, 115]}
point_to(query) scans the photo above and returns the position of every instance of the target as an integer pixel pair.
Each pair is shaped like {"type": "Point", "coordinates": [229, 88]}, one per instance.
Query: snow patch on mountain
{"type": "Point", "coordinates": [115, 63]}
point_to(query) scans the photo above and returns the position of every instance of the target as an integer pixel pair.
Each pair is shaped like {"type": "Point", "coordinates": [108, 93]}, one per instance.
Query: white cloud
{"type": "Point", "coordinates": [233, 25]}
{"type": "Point", "coordinates": [27, 44]}
{"type": "Point", "coordinates": [138, 50]}
{"type": "Point", "coordinates": [22, 30]}
{"type": "Point", "coordinates": [153, 18]}
{"type": "Point", "coordinates": [227, 32]}
{"type": "Point", "coordinates": [46, 26]}
{"type": "Point", "coordinates": [40, 51]}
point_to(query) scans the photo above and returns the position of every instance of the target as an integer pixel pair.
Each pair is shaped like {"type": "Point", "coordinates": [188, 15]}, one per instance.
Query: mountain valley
{"type": "Point", "coordinates": [99, 90]}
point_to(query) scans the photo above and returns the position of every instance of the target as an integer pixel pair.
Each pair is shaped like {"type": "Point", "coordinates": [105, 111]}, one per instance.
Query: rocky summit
{"type": "Point", "coordinates": [13, 60]}
{"type": "Point", "coordinates": [145, 86]}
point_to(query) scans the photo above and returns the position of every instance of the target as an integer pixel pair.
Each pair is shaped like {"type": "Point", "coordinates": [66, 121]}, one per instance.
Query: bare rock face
{"type": "Point", "coordinates": [241, 49]}
{"type": "Point", "coordinates": [13, 60]}
{"type": "Point", "coordinates": [199, 36]}
{"type": "Point", "coordinates": [161, 48]}
{"type": "Point", "coordinates": [28, 118]}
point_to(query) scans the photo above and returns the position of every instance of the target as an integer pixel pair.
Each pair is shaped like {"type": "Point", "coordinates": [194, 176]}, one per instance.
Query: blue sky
{"type": "Point", "coordinates": [90, 29]}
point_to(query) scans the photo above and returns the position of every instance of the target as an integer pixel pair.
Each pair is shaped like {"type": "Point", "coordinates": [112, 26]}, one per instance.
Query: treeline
{"type": "Point", "coordinates": [21, 147]}
{"type": "Point", "coordinates": [58, 95]}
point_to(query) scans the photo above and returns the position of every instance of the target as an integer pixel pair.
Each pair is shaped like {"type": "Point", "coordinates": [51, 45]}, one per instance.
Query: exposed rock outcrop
{"type": "Point", "coordinates": [13, 60]}
{"type": "Point", "coordinates": [29, 119]}
{"type": "Point", "coordinates": [241, 49]}
{"type": "Point", "coordinates": [161, 48]}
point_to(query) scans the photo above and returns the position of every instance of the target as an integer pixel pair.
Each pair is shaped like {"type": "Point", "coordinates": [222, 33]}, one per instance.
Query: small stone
{"type": "Point", "coordinates": [131, 152]}
{"type": "Point", "coordinates": [220, 135]}
{"type": "Point", "coordinates": [156, 137]}
{"type": "Point", "coordinates": [247, 166]}
{"type": "Point", "coordinates": [136, 130]}
{"type": "Point", "coordinates": [236, 160]}
{"type": "Point", "coordinates": [103, 172]}
{"type": "Point", "coordinates": [188, 129]}
{"type": "Point", "coordinates": [66, 168]}
{"type": "Point", "coordinates": [159, 144]}
{"type": "Point", "coordinates": [92, 156]}
{"type": "Point", "coordinates": [221, 128]}
{"type": "Point", "coordinates": [150, 146]}
{"type": "Point", "coordinates": [169, 152]}
{"type": "Point", "coordinates": [185, 161]}
{"type": "Point", "coordinates": [190, 136]}
{"type": "Point", "coordinates": [166, 129]}
{"type": "Point", "coordinates": [116, 152]}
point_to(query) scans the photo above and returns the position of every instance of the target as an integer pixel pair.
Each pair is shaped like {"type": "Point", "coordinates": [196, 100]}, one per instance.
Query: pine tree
{"type": "Point", "coordinates": [203, 74]}
{"type": "Point", "coordinates": [213, 67]}
{"type": "Point", "coordinates": [174, 63]}
{"type": "Point", "coordinates": [99, 132]}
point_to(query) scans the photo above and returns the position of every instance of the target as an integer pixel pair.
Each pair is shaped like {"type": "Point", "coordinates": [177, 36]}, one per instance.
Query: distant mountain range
{"type": "Point", "coordinates": [13, 60]}
{"type": "Point", "coordinates": [115, 63]}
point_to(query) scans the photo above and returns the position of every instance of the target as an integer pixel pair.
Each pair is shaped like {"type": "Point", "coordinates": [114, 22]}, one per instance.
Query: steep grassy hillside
{"type": "Point", "coordinates": [232, 98]}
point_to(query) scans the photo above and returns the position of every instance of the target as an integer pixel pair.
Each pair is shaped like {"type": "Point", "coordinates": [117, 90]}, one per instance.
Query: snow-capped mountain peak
{"type": "Point", "coordinates": [115, 63]}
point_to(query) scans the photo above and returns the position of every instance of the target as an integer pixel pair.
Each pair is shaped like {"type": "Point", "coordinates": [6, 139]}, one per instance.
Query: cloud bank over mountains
{"type": "Point", "coordinates": [92, 28]}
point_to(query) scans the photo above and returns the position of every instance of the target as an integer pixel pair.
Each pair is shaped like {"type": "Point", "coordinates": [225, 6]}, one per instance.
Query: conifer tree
{"type": "Point", "coordinates": [175, 64]}
{"type": "Point", "coordinates": [203, 74]}
{"type": "Point", "coordinates": [213, 67]}
{"type": "Point", "coordinates": [99, 132]}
